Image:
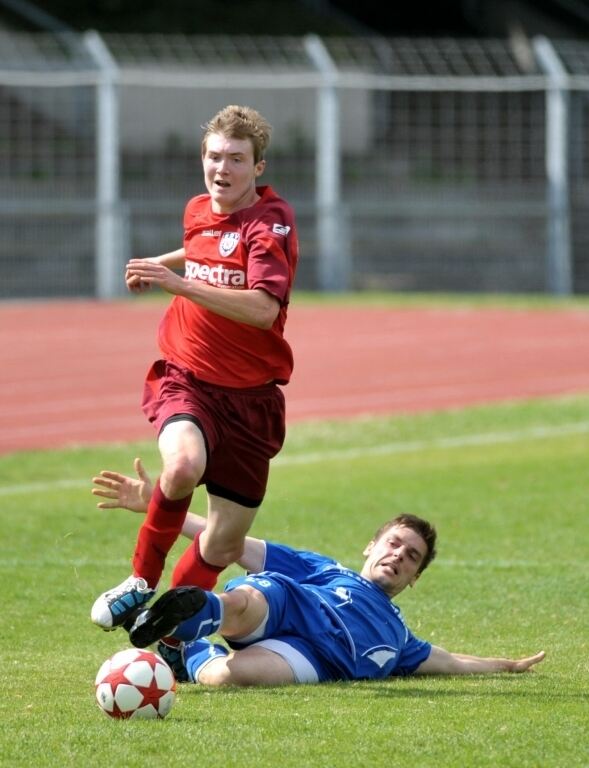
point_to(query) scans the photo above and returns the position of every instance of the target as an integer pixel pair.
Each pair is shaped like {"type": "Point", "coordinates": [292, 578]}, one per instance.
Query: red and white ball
{"type": "Point", "coordinates": [135, 684]}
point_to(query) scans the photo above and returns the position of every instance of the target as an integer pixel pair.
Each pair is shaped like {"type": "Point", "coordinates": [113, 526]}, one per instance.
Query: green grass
{"type": "Point", "coordinates": [507, 487]}
{"type": "Point", "coordinates": [442, 300]}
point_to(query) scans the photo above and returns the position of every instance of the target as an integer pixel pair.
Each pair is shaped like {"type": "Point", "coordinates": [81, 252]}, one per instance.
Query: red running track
{"type": "Point", "coordinates": [72, 372]}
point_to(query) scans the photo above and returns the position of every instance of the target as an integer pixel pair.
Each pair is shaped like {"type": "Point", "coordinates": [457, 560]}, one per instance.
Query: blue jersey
{"type": "Point", "coordinates": [347, 626]}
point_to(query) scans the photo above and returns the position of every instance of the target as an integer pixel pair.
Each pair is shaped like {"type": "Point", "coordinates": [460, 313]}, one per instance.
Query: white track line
{"type": "Point", "coordinates": [485, 438]}
{"type": "Point", "coordinates": [488, 438]}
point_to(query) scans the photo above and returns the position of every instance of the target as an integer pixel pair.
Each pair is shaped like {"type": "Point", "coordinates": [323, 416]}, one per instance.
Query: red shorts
{"type": "Point", "coordinates": [243, 428]}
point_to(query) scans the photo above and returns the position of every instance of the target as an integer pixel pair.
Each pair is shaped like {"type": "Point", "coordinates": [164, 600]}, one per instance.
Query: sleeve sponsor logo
{"type": "Point", "coordinates": [280, 229]}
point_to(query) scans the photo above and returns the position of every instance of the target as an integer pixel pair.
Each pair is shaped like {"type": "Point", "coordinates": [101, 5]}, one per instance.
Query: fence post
{"type": "Point", "coordinates": [559, 257]}
{"type": "Point", "coordinates": [110, 240]}
{"type": "Point", "coordinates": [333, 265]}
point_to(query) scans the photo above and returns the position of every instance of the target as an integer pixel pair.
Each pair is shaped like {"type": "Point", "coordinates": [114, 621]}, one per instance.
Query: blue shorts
{"type": "Point", "coordinates": [297, 628]}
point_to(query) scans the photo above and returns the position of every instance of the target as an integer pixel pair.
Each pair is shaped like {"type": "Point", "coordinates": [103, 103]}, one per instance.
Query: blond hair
{"type": "Point", "coordinates": [236, 122]}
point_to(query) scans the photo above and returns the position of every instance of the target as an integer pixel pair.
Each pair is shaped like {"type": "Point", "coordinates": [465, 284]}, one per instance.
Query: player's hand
{"type": "Point", "coordinates": [150, 272]}
{"type": "Point", "coordinates": [123, 491]}
{"type": "Point", "coordinates": [135, 284]}
{"type": "Point", "coordinates": [522, 665]}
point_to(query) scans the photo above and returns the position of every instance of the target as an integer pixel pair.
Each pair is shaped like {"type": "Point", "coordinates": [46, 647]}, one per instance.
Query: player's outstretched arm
{"type": "Point", "coordinates": [442, 662]}
{"type": "Point", "coordinates": [124, 492]}
{"type": "Point", "coordinates": [134, 493]}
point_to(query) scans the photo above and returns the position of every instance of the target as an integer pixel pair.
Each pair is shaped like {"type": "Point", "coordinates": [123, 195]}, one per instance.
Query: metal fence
{"type": "Point", "coordinates": [412, 164]}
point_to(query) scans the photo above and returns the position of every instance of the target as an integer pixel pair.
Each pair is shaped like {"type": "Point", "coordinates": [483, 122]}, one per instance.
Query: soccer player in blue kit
{"type": "Point", "coordinates": [298, 616]}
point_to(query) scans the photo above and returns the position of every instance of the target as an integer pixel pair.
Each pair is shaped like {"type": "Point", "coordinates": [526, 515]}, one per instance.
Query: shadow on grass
{"type": "Point", "coordinates": [400, 689]}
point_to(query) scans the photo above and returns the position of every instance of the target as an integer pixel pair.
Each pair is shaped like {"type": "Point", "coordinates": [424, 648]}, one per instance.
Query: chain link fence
{"type": "Point", "coordinates": [412, 164]}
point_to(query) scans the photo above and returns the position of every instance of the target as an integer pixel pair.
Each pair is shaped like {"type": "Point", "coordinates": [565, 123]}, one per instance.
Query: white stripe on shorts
{"type": "Point", "coordinates": [302, 668]}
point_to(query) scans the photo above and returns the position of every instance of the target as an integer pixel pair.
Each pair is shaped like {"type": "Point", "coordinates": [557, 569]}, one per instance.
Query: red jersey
{"type": "Point", "coordinates": [255, 247]}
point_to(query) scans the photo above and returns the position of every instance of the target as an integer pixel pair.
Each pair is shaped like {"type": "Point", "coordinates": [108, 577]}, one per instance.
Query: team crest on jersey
{"type": "Point", "coordinates": [228, 243]}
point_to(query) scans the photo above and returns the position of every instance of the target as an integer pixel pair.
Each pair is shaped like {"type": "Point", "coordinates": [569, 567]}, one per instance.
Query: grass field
{"type": "Point", "coordinates": [507, 487]}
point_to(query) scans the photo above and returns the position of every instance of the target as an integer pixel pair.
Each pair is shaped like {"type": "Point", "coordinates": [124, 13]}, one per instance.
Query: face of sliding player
{"type": "Point", "coordinates": [394, 559]}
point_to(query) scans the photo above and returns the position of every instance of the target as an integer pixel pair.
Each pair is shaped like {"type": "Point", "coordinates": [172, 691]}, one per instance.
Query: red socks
{"type": "Point", "coordinates": [192, 571]}
{"type": "Point", "coordinates": [163, 523]}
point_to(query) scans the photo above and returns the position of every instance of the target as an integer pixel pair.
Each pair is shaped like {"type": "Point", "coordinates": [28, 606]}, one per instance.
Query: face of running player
{"type": "Point", "coordinates": [393, 560]}
{"type": "Point", "coordinates": [230, 173]}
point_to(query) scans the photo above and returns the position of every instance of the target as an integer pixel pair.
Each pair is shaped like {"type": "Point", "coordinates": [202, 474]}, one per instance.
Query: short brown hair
{"type": "Point", "coordinates": [424, 529]}
{"type": "Point", "coordinates": [236, 122]}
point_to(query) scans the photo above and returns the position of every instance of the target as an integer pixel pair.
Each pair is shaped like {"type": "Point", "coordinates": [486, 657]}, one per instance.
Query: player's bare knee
{"type": "Point", "coordinates": [235, 603]}
{"type": "Point", "coordinates": [245, 598]}
{"type": "Point", "coordinates": [255, 598]}
{"type": "Point", "coordinates": [179, 476]}
{"type": "Point", "coordinates": [244, 610]}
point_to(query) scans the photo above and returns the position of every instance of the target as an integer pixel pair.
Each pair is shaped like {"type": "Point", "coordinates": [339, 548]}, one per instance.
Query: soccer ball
{"type": "Point", "coordinates": [135, 684]}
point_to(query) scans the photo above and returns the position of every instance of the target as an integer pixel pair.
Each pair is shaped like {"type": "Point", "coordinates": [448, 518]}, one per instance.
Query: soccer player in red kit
{"type": "Point", "coordinates": [214, 398]}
